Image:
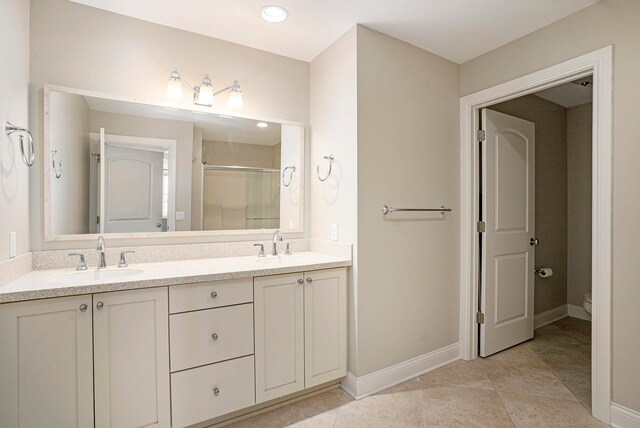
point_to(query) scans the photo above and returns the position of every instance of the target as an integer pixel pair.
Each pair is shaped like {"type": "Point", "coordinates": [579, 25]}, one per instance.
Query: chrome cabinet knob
{"type": "Point", "coordinates": [301, 281]}
{"type": "Point", "coordinates": [216, 391]}
{"type": "Point", "coordinates": [214, 336]}
{"type": "Point", "coordinates": [99, 306]}
{"type": "Point", "coordinates": [83, 307]}
{"type": "Point", "coordinates": [214, 294]}
{"type": "Point", "coordinates": [309, 280]}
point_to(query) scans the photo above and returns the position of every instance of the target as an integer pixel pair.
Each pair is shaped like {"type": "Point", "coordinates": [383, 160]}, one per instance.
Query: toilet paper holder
{"type": "Point", "coordinates": [544, 271]}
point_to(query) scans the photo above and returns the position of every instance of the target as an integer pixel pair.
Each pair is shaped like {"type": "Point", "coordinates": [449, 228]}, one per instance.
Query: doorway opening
{"type": "Point", "coordinates": [535, 253]}
{"type": "Point", "coordinates": [520, 218]}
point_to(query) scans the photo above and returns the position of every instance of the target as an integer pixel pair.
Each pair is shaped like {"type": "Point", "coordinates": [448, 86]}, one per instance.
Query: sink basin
{"type": "Point", "coordinates": [94, 275]}
{"type": "Point", "coordinates": [285, 260]}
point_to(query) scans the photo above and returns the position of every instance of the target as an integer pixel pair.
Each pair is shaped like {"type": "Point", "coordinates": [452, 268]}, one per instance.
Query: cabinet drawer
{"type": "Point", "coordinates": [194, 396]}
{"type": "Point", "coordinates": [212, 294]}
{"type": "Point", "coordinates": [192, 336]}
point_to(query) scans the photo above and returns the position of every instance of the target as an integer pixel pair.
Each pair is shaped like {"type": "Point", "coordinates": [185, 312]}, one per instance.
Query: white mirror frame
{"type": "Point", "coordinates": [228, 235]}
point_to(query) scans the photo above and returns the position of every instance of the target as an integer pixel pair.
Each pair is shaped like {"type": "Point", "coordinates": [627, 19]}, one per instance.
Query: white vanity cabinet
{"type": "Point", "coordinates": [53, 349]}
{"type": "Point", "coordinates": [301, 331]}
{"type": "Point", "coordinates": [131, 358]}
{"type": "Point", "coordinates": [46, 368]}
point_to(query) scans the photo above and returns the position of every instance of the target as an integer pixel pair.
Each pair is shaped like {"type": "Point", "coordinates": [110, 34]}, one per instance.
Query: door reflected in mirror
{"type": "Point", "coordinates": [140, 168]}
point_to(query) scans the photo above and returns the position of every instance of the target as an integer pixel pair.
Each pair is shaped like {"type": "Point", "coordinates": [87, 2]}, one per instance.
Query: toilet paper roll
{"type": "Point", "coordinates": [545, 272]}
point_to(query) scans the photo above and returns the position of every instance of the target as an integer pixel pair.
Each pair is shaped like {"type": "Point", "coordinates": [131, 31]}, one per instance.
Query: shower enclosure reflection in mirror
{"type": "Point", "coordinates": [136, 169]}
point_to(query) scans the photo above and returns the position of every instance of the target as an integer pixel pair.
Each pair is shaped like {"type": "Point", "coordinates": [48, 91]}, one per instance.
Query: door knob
{"type": "Point", "coordinates": [533, 242]}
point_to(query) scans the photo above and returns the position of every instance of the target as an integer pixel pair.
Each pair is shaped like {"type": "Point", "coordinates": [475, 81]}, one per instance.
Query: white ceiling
{"type": "Point", "coordinates": [214, 127]}
{"type": "Point", "coordinates": [568, 95]}
{"type": "Point", "coordinates": [458, 30]}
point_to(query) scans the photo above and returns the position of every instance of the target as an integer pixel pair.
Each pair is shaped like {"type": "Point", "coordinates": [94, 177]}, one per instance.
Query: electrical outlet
{"type": "Point", "coordinates": [334, 232]}
{"type": "Point", "coordinates": [12, 244]}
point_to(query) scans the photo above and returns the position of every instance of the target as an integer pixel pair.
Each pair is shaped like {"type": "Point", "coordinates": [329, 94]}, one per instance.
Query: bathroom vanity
{"type": "Point", "coordinates": [172, 344]}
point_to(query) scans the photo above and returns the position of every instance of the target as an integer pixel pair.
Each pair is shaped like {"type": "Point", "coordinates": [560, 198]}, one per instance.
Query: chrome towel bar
{"type": "Point", "coordinates": [387, 209]}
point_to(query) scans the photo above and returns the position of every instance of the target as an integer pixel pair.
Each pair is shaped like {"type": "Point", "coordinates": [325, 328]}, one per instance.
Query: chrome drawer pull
{"type": "Point", "coordinates": [214, 336]}
{"type": "Point", "coordinates": [216, 391]}
{"type": "Point", "coordinates": [214, 294]}
{"type": "Point", "coordinates": [83, 307]}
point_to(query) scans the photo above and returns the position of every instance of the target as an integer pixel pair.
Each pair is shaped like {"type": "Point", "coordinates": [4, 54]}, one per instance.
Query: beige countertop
{"type": "Point", "coordinates": [41, 284]}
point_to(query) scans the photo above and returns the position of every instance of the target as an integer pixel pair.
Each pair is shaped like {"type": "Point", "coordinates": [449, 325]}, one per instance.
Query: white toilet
{"type": "Point", "coordinates": [586, 304]}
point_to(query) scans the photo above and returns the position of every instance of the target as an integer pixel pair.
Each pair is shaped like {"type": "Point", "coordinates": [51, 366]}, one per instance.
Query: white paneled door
{"type": "Point", "coordinates": [508, 209]}
{"type": "Point", "coordinates": [131, 358]}
{"type": "Point", "coordinates": [132, 189]}
{"type": "Point", "coordinates": [279, 335]}
{"type": "Point", "coordinates": [325, 325]}
{"type": "Point", "coordinates": [46, 371]}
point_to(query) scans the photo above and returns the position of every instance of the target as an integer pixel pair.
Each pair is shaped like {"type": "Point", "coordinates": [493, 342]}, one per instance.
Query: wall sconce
{"type": "Point", "coordinates": [203, 95]}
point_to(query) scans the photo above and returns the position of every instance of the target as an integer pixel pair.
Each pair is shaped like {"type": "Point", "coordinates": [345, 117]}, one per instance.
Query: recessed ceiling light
{"type": "Point", "coordinates": [273, 13]}
{"type": "Point", "coordinates": [262, 125]}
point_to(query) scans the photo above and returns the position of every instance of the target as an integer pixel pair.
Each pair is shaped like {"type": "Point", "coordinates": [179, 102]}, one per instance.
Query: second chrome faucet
{"type": "Point", "coordinates": [277, 236]}
{"type": "Point", "coordinates": [103, 262]}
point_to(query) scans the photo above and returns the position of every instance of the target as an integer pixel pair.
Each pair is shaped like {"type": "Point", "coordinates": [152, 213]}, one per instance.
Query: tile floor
{"type": "Point", "coordinates": [541, 383]}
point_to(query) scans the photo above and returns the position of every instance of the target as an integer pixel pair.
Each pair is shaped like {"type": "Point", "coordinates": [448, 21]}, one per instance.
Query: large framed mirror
{"type": "Point", "coordinates": [132, 169]}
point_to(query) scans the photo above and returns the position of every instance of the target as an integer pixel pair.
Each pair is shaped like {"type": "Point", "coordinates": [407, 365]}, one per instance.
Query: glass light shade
{"type": "Point", "coordinates": [235, 100]}
{"type": "Point", "coordinates": [205, 95]}
{"type": "Point", "coordinates": [174, 89]}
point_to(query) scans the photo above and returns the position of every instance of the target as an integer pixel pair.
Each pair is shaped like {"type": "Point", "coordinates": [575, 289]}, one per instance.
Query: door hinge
{"type": "Point", "coordinates": [98, 220]}
{"type": "Point", "coordinates": [479, 318]}
{"type": "Point", "coordinates": [481, 227]}
{"type": "Point", "coordinates": [481, 135]}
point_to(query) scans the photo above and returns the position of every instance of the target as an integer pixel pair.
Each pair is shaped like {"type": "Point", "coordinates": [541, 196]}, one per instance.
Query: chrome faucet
{"type": "Point", "coordinates": [277, 236]}
{"type": "Point", "coordinates": [100, 248]}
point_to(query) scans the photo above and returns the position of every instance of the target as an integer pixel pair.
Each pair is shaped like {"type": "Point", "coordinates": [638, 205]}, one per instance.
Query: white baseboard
{"type": "Point", "coordinates": [552, 315]}
{"type": "Point", "coordinates": [622, 417]}
{"type": "Point", "coordinates": [576, 311]}
{"type": "Point", "coordinates": [363, 386]}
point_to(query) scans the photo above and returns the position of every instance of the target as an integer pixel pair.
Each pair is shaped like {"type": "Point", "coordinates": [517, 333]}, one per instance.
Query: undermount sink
{"type": "Point", "coordinates": [284, 259]}
{"type": "Point", "coordinates": [94, 275]}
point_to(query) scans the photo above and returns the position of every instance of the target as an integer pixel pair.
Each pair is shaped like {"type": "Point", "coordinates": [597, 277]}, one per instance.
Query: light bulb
{"type": "Point", "coordinates": [235, 99]}
{"type": "Point", "coordinates": [274, 13]}
{"type": "Point", "coordinates": [205, 92]}
{"type": "Point", "coordinates": [174, 86]}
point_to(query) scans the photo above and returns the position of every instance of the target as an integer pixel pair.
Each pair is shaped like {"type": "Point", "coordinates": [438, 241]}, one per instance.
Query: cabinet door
{"type": "Point", "coordinates": [131, 358]}
{"type": "Point", "coordinates": [46, 373]}
{"type": "Point", "coordinates": [325, 325]}
{"type": "Point", "coordinates": [279, 335]}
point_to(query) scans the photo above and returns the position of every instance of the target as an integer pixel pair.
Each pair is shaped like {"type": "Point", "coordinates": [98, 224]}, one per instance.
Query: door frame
{"type": "Point", "coordinates": [600, 64]}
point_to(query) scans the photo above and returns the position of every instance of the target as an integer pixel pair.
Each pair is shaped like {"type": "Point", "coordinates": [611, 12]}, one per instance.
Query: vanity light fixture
{"type": "Point", "coordinates": [274, 13]}
{"type": "Point", "coordinates": [262, 125]}
{"type": "Point", "coordinates": [204, 95]}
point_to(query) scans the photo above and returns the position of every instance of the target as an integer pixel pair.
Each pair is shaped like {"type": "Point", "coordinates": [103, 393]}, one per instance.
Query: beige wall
{"type": "Point", "coordinates": [14, 80]}
{"type": "Point", "coordinates": [91, 49]}
{"type": "Point", "coordinates": [237, 154]}
{"type": "Point", "coordinates": [70, 137]}
{"type": "Point", "coordinates": [609, 22]}
{"type": "Point", "coordinates": [579, 146]}
{"type": "Point", "coordinates": [551, 193]}
{"type": "Point", "coordinates": [408, 279]}
{"type": "Point", "coordinates": [334, 131]}
{"type": "Point", "coordinates": [146, 127]}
